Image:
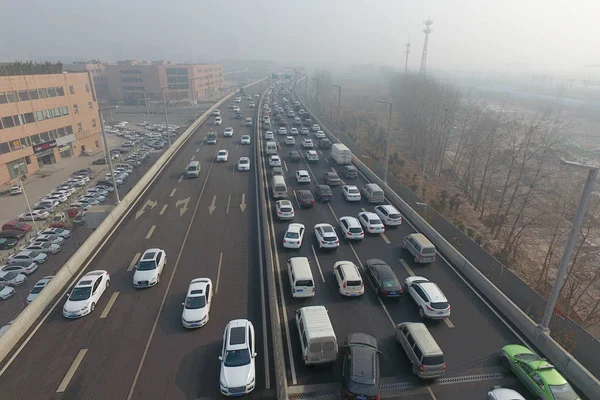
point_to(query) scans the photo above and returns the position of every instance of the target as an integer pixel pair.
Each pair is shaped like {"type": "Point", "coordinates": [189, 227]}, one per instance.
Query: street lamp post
{"type": "Point", "coordinates": [387, 147]}
{"type": "Point", "coordinates": [570, 245]}
{"type": "Point", "coordinates": [339, 104]}
{"type": "Point", "coordinates": [110, 167]}
{"type": "Point", "coordinates": [162, 90]}
{"type": "Point", "coordinates": [28, 205]}
{"type": "Point", "coordinates": [193, 97]}
{"type": "Point", "coordinates": [146, 98]}
{"type": "Point", "coordinates": [317, 79]}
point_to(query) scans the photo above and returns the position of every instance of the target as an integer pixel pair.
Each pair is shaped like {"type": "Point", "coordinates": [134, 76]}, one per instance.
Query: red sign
{"type": "Point", "coordinates": [37, 148]}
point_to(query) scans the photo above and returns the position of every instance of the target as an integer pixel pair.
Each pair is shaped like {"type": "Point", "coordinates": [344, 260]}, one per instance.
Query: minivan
{"type": "Point", "coordinates": [423, 352]}
{"type": "Point", "coordinates": [317, 337]}
{"type": "Point", "coordinates": [279, 188]}
{"type": "Point", "coordinates": [373, 193]}
{"type": "Point", "coordinates": [301, 278]}
{"type": "Point", "coordinates": [420, 247]}
{"type": "Point", "coordinates": [271, 147]}
{"type": "Point", "coordinates": [193, 169]}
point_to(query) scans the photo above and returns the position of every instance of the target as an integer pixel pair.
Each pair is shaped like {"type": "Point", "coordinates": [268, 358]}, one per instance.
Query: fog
{"type": "Point", "coordinates": [542, 36]}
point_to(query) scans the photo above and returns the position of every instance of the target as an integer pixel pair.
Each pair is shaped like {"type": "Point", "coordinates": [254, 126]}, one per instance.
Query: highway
{"type": "Point", "coordinates": [133, 346]}
{"type": "Point", "coordinates": [471, 338]}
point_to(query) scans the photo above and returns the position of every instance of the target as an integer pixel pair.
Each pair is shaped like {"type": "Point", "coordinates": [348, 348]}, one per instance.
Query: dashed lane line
{"type": "Point", "coordinates": [150, 232]}
{"type": "Point", "coordinates": [109, 305]}
{"type": "Point", "coordinates": [69, 375]}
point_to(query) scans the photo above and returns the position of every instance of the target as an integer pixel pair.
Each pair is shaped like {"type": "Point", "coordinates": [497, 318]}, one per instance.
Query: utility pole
{"type": "Point", "coordinates": [166, 119]}
{"type": "Point", "coordinates": [426, 31]}
{"type": "Point", "coordinates": [146, 98]}
{"type": "Point", "coordinates": [339, 104]}
{"type": "Point", "coordinates": [407, 52]}
{"type": "Point", "coordinates": [317, 79]}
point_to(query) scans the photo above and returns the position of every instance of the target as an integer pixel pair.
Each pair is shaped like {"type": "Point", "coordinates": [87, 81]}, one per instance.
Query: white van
{"type": "Point", "coordinates": [193, 169]}
{"type": "Point", "coordinates": [301, 279]}
{"type": "Point", "coordinates": [271, 147]}
{"type": "Point", "coordinates": [279, 188]}
{"type": "Point", "coordinates": [317, 337]}
{"type": "Point", "coordinates": [373, 193]}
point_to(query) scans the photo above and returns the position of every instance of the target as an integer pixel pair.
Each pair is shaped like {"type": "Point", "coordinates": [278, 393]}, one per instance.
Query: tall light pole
{"type": "Point", "coordinates": [339, 104]}
{"type": "Point", "coordinates": [146, 98]}
{"type": "Point", "coordinates": [317, 79]}
{"type": "Point", "coordinates": [28, 205]}
{"type": "Point", "coordinates": [387, 147]}
{"type": "Point", "coordinates": [193, 97]}
{"type": "Point", "coordinates": [570, 245]}
{"type": "Point", "coordinates": [110, 167]}
{"type": "Point", "coordinates": [162, 90]}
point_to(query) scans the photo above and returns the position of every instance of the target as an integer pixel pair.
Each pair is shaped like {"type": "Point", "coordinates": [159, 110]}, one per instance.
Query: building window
{"type": "Point", "coordinates": [17, 168]}
{"type": "Point", "coordinates": [61, 132]}
{"type": "Point", "coordinates": [79, 127]}
{"type": "Point", "coordinates": [3, 98]}
{"type": "Point", "coordinates": [25, 142]}
{"type": "Point", "coordinates": [33, 94]}
{"type": "Point", "coordinates": [65, 110]}
{"type": "Point", "coordinates": [29, 118]}
{"type": "Point", "coordinates": [60, 91]}
{"type": "Point", "coordinates": [15, 145]}
{"type": "Point", "coordinates": [94, 123]}
{"type": "Point", "coordinates": [45, 137]}
{"type": "Point", "coordinates": [97, 143]}
{"type": "Point", "coordinates": [35, 139]}
{"type": "Point", "coordinates": [48, 114]}
{"type": "Point", "coordinates": [19, 120]}
{"type": "Point", "coordinates": [8, 122]}
{"type": "Point", "coordinates": [51, 92]}
{"type": "Point", "coordinates": [4, 149]}
{"type": "Point", "coordinates": [43, 93]}
{"type": "Point", "coordinates": [90, 106]}
{"type": "Point", "coordinates": [12, 97]}
{"type": "Point", "coordinates": [56, 112]}
{"type": "Point", "coordinates": [52, 134]}
{"type": "Point", "coordinates": [75, 109]}
{"type": "Point", "coordinates": [23, 95]}
{"type": "Point", "coordinates": [69, 129]}
{"type": "Point", "coordinates": [71, 89]}
{"type": "Point", "coordinates": [39, 115]}
{"type": "Point", "coordinates": [87, 87]}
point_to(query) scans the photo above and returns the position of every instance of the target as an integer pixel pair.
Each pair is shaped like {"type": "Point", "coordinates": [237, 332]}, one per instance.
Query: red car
{"type": "Point", "coordinates": [61, 225]}
{"type": "Point", "coordinates": [305, 198]}
{"type": "Point", "coordinates": [16, 226]}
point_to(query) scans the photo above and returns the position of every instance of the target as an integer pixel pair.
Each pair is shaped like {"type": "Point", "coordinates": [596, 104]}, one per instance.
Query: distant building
{"type": "Point", "coordinates": [44, 119]}
{"type": "Point", "coordinates": [96, 68]}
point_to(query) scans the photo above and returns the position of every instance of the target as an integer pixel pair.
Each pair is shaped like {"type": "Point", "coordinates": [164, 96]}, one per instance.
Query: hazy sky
{"type": "Point", "coordinates": [543, 35]}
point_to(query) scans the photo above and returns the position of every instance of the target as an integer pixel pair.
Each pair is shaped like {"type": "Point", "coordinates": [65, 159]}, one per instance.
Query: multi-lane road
{"type": "Point", "coordinates": [134, 346]}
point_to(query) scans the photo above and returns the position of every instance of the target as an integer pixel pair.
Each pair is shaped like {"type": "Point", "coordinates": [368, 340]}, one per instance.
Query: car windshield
{"type": "Point", "coordinates": [292, 235]}
{"type": "Point", "coordinates": [237, 358]}
{"type": "Point", "coordinates": [355, 230]}
{"type": "Point", "coordinates": [286, 209]}
{"type": "Point", "coordinates": [563, 392]}
{"type": "Point", "coordinates": [37, 289]}
{"type": "Point", "coordinates": [353, 191]}
{"type": "Point", "coordinates": [193, 303]}
{"type": "Point", "coordinates": [374, 222]}
{"type": "Point", "coordinates": [442, 305]}
{"type": "Point", "coordinates": [10, 276]}
{"type": "Point", "coordinates": [80, 293]}
{"type": "Point", "coordinates": [390, 283]}
{"type": "Point", "coordinates": [146, 265]}
{"type": "Point", "coordinates": [353, 283]}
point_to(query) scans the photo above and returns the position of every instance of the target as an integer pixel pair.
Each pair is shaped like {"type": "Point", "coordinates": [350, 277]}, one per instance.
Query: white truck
{"type": "Point", "coordinates": [341, 154]}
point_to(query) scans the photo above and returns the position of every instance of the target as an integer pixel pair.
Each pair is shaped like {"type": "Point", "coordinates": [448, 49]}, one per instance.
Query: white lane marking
{"type": "Point", "coordinates": [296, 197]}
{"type": "Point", "coordinates": [69, 375]}
{"type": "Point", "coordinates": [430, 393]}
{"type": "Point", "coordinates": [219, 273]}
{"type": "Point", "coordinates": [132, 263]}
{"type": "Point", "coordinates": [286, 167]}
{"type": "Point", "coordinates": [150, 232]}
{"type": "Point", "coordinates": [320, 152]}
{"type": "Point", "coordinates": [163, 209]}
{"type": "Point", "coordinates": [228, 202]}
{"type": "Point", "coordinates": [109, 305]}
{"type": "Point", "coordinates": [409, 271]}
{"type": "Point", "coordinates": [318, 263]}
{"type": "Point", "coordinates": [193, 158]}
{"type": "Point", "coordinates": [173, 192]}
{"type": "Point", "coordinates": [326, 160]}
{"type": "Point", "coordinates": [198, 149]}
{"type": "Point", "coordinates": [180, 179]}
{"type": "Point", "coordinates": [385, 238]}
{"type": "Point", "coordinates": [448, 323]}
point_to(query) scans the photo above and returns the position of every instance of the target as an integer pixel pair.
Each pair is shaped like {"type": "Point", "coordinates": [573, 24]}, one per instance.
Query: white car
{"type": "Point", "coordinates": [316, 128]}
{"type": "Point", "coordinates": [42, 247]}
{"type": "Point", "coordinates": [293, 235]}
{"type": "Point", "coordinates": [274, 161]}
{"type": "Point", "coordinates": [12, 278]}
{"type": "Point", "coordinates": [429, 298]}
{"type": "Point", "coordinates": [294, 131]}
{"type": "Point", "coordinates": [304, 131]}
{"type": "Point", "coordinates": [245, 139]}
{"type": "Point", "coordinates": [389, 215]}
{"type": "Point", "coordinates": [285, 209]}
{"type": "Point", "coordinates": [237, 358]}
{"type": "Point", "coordinates": [282, 130]}
{"type": "Point", "coordinates": [343, 271]}
{"type": "Point", "coordinates": [16, 189]}
{"type": "Point", "coordinates": [320, 135]}
{"type": "Point", "coordinates": [148, 269]}
{"type": "Point", "coordinates": [269, 135]}
{"type": "Point", "coordinates": [499, 393]}
{"type": "Point", "coordinates": [252, 105]}
{"type": "Point", "coordinates": [56, 239]}
{"type": "Point", "coordinates": [92, 198]}
{"type": "Point", "coordinates": [351, 228]}
{"type": "Point", "coordinates": [302, 176]}
{"type": "Point", "coordinates": [36, 215]}
{"type": "Point", "coordinates": [222, 156]}
{"type": "Point", "coordinates": [37, 288]}
{"type": "Point", "coordinates": [289, 140]}
{"type": "Point", "coordinates": [243, 164]}
{"type": "Point", "coordinates": [312, 155]}
{"type": "Point", "coordinates": [61, 198]}
{"type": "Point", "coordinates": [371, 222]}
{"type": "Point", "coordinates": [351, 193]}
{"type": "Point", "coordinates": [218, 120]}
{"type": "Point", "coordinates": [326, 236]}
{"type": "Point", "coordinates": [308, 143]}
{"type": "Point", "coordinates": [6, 292]}
{"type": "Point", "coordinates": [21, 267]}
{"type": "Point", "coordinates": [216, 112]}
{"type": "Point", "coordinates": [64, 233]}
{"type": "Point", "coordinates": [86, 294]}
{"type": "Point", "coordinates": [196, 308]}
{"type": "Point", "coordinates": [228, 132]}
{"type": "Point", "coordinates": [28, 255]}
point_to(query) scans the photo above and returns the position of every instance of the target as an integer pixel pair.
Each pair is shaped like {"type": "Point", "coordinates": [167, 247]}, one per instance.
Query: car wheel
{"type": "Point", "coordinates": [421, 313]}
{"type": "Point", "coordinates": [92, 307]}
{"type": "Point", "coordinates": [21, 219]}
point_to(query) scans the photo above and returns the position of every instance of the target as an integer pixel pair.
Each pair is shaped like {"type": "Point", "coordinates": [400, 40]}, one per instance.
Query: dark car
{"type": "Point", "coordinates": [305, 198]}
{"type": "Point", "coordinates": [238, 115]}
{"type": "Point", "coordinates": [332, 179]}
{"type": "Point", "coordinates": [385, 281]}
{"type": "Point", "coordinates": [87, 172]}
{"type": "Point", "coordinates": [325, 144]}
{"type": "Point", "coordinates": [276, 171]}
{"type": "Point", "coordinates": [282, 123]}
{"type": "Point", "coordinates": [7, 243]}
{"type": "Point", "coordinates": [100, 161]}
{"type": "Point", "coordinates": [350, 172]}
{"type": "Point", "coordinates": [294, 155]}
{"type": "Point", "coordinates": [12, 234]}
{"type": "Point", "coordinates": [360, 371]}
{"type": "Point", "coordinates": [324, 193]}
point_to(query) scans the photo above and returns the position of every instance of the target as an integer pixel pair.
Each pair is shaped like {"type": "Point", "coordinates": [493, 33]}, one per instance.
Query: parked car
{"type": "Point", "coordinates": [34, 215]}
{"type": "Point", "coordinates": [16, 226]}
{"type": "Point", "coordinates": [12, 234]}
{"type": "Point", "coordinates": [8, 243]}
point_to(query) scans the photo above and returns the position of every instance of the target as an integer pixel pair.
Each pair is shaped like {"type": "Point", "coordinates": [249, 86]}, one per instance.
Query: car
{"type": "Point", "coordinates": [388, 214]}
{"type": "Point", "coordinates": [148, 269]}
{"type": "Point", "coordinates": [294, 155]}
{"type": "Point", "coordinates": [238, 99]}
{"type": "Point", "coordinates": [37, 288]}
{"type": "Point", "coordinates": [371, 222]}
{"type": "Point", "coordinates": [294, 132]}
{"type": "Point", "coordinates": [42, 247]}
{"type": "Point", "coordinates": [332, 179]}
{"type": "Point", "coordinates": [248, 121]}
{"type": "Point", "coordinates": [305, 198]}
{"type": "Point", "coordinates": [304, 131]}
{"type": "Point", "coordinates": [28, 255]}
{"type": "Point", "coordinates": [16, 189]}
{"type": "Point", "coordinates": [320, 135]}
{"type": "Point", "coordinates": [16, 226]}
{"type": "Point", "coordinates": [218, 121]}
{"type": "Point", "coordinates": [316, 128]}
{"type": "Point", "coordinates": [12, 278]}
{"type": "Point", "coordinates": [361, 367]}
{"type": "Point", "coordinates": [86, 294]}
{"type": "Point", "coordinates": [222, 156]}
{"type": "Point", "coordinates": [243, 164]}
{"type": "Point", "coordinates": [216, 112]}
{"type": "Point", "coordinates": [351, 193]}
{"type": "Point", "coordinates": [284, 209]}
{"type": "Point", "coordinates": [351, 228]}
{"type": "Point", "coordinates": [238, 115]}
{"type": "Point", "coordinates": [349, 281]}
{"type": "Point", "coordinates": [291, 114]}
{"type": "Point", "coordinates": [196, 308]}
{"type": "Point", "coordinates": [269, 135]}
{"type": "Point", "coordinates": [236, 109]}
{"type": "Point", "coordinates": [21, 267]}
{"type": "Point", "coordinates": [7, 243]}
{"type": "Point", "coordinates": [326, 236]}
{"type": "Point", "coordinates": [276, 171]}
{"type": "Point", "coordinates": [311, 155]}
{"type": "Point", "coordinates": [282, 131]}
{"type": "Point", "coordinates": [93, 199]}
{"type": "Point", "coordinates": [383, 278]}
{"type": "Point", "coordinates": [12, 234]}
{"type": "Point", "coordinates": [228, 132]}
{"type": "Point", "coordinates": [237, 358]}
{"type": "Point", "coordinates": [245, 139]}
{"type": "Point", "coordinates": [61, 198]}
{"type": "Point", "coordinates": [349, 172]}
{"type": "Point", "coordinates": [289, 140]}
{"type": "Point", "coordinates": [297, 121]}
{"type": "Point", "coordinates": [293, 235]}
{"type": "Point", "coordinates": [308, 143]}
{"type": "Point", "coordinates": [302, 176]}
{"type": "Point", "coordinates": [34, 215]}
{"type": "Point", "coordinates": [6, 292]}
{"type": "Point", "coordinates": [252, 105]}
{"type": "Point", "coordinates": [274, 161]}
{"type": "Point", "coordinates": [428, 296]}
{"type": "Point", "coordinates": [56, 239]}
{"type": "Point", "coordinates": [499, 393]}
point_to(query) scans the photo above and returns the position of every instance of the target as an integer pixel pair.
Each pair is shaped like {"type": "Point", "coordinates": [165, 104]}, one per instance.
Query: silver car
{"type": "Point", "coordinates": [42, 247]}
{"type": "Point", "coordinates": [13, 278]}
{"type": "Point", "coordinates": [6, 291]}
{"type": "Point", "coordinates": [28, 255]}
{"type": "Point", "coordinates": [56, 239]}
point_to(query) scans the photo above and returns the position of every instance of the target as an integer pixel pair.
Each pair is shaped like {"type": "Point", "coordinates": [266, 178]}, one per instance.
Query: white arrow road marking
{"type": "Point", "coordinates": [183, 202]}
{"type": "Point", "coordinates": [212, 206]}
{"type": "Point", "coordinates": [148, 203]}
{"type": "Point", "coordinates": [243, 203]}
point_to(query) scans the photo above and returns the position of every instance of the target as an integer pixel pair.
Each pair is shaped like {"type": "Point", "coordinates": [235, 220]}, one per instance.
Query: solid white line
{"type": "Point", "coordinates": [219, 273]}
{"type": "Point", "coordinates": [286, 167]}
{"type": "Point", "coordinates": [295, 197]}
{"type": "Point", "coordinates": [430, 393]}
{"type": "Point", "coordinates": [326, 160]}
{"type": "Point", "coordinates": [132, 263]}
{"type": "Point", "coordinates": [162, 211]}
{"type": "Point", "coordinates": [151, 231]}
{"type": "Point", "coordinates": [69, 375]}
{"type": "Point", "coordinates": [385, 238]}
{"type": "Point", "coordinates": [198, 149]}
{"type": "Point", "coordinates": [409, 271]}
{"type": "Point", "coordinates": [228, 202]}
{"type": "Point", "coordinates": [173, 192]}
{"type": "Point", "coordinates": [448, 323]}
{"type": "Point", "coordinates": [318, 263]}
{"type": "Point", "coordinates": [193, 158]}
{"type": "Point", "coordinates": [180, 179]}
{"type": "Point", "coordinates": [109, 305]}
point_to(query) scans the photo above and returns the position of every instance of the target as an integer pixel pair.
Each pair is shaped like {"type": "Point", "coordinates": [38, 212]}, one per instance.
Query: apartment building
{"type": "Point", "coordinates": [44, 119]}
{"type": "Point", "coordinates": [96, 68]}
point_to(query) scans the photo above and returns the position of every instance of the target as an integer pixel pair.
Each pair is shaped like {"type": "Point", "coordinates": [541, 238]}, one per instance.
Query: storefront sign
{"type": "Point", "coordinates": [37, 148]}
{"type": "Point", "coordinates": [64, 148]}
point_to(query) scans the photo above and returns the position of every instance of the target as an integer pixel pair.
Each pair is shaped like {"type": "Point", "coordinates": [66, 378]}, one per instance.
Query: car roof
{"type": "Point", "coordinates": [327, 229]}
{"type": "Point", "coordinates": [351, 220]}
{"type": "Point", "coordinates": [237, 337]}
{"type": "Point", "coordinates": [150, 254]}
{"type": "Point", "coordinates": [284, 202]}
{"type": "Point", "coordinates": [294, 227]}
{"type": "Point", "coordinates": [304, 193]}
{"type": "Point", "coordinates": [302, 172]}
{"type": "Point", "coordinates": [198, 287]}
{"type": "Point", "coordinates": [389, 208]}
{"type": "Point", "coordinates": [350, 187]}
{"type": "Point", "coordinates": [433, 291]}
